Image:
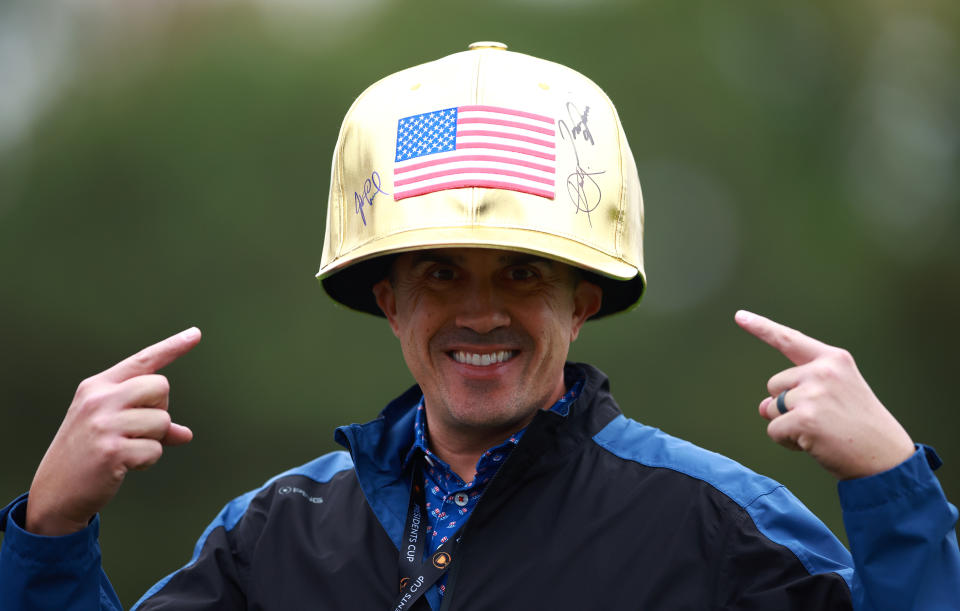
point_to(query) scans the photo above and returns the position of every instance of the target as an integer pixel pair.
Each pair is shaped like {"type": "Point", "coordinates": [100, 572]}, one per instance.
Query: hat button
{"type": "Point", "coordinates": [487, 44]}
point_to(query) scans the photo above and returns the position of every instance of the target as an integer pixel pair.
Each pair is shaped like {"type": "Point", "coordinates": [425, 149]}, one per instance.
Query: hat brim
{"type": "Point", "coordinates": [350, 280]}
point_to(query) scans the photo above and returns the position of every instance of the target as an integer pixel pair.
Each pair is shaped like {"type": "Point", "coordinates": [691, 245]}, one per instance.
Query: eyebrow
{"type": "Point", "coordinates": [431, 256]}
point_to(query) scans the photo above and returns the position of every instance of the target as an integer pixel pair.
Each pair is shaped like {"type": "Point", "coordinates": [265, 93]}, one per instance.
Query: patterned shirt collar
{"type": "Point", "coordinates": [494, 455]}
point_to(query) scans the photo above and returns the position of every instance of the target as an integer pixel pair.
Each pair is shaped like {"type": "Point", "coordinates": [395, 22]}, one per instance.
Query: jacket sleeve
{"type": "Point", "coordinates": [902, 538]}
{"type": "Point", "coordinates": [38, 572]}
{"type": "Point", "coordinates": [64, 573]}
{"type": "Point", "coordinates": [903, 557]}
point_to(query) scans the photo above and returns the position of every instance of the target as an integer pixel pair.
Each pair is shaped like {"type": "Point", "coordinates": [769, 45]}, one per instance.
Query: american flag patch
{"type": "Point", "coordinates": [475, 146]}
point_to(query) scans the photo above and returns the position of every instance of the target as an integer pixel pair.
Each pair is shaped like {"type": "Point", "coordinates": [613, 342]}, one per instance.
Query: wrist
{"type": "Point", "coordinates": [49, 524]}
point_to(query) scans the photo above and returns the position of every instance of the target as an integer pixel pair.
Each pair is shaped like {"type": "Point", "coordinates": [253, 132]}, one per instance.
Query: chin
{"type": "Point", "coordinates": [487, 411]}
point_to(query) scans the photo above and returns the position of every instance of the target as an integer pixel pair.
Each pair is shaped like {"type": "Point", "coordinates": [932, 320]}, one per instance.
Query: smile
{"type": "Point", "coordinates": [482, 360]}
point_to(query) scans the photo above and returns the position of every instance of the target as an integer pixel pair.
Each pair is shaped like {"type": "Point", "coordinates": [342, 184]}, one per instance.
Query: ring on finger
{"type": "Point", "coordinates": [782, 402]}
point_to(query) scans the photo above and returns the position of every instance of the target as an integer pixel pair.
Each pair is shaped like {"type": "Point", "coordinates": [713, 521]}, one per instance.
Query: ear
{"type": "Point", "coordinates": [387, 301]}
{"type": "Point", "coordinates": [587, 298]}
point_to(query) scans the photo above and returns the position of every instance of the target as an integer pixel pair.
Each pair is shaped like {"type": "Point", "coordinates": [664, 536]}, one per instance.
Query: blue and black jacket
{"type": "Point", "coordinates": [591, 511]}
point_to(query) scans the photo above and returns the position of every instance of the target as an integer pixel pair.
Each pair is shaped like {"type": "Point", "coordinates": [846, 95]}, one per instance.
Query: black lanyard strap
{"type": "Point", "coordinates": [416, 574]}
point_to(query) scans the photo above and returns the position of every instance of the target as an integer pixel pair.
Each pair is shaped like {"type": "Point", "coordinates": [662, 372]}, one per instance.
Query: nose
{"type": "Point", "coordinates": [481, 308]}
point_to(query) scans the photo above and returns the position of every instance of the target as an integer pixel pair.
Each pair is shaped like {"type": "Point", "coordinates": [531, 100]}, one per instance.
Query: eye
{"type": "Point", "coordinates": [522, 274]}
{"type": "Point", "coordinates": [443, 274]}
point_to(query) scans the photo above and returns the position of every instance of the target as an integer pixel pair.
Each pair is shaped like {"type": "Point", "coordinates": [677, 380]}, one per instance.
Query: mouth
{"type": "Point", "coordinates": [482, 359]}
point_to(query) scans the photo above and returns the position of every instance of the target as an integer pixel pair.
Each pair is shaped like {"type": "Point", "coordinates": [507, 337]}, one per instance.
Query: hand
{"type": "Point", "coordinates": [118, 421]}
{"type": "Point", "coordinates": [831, 412]}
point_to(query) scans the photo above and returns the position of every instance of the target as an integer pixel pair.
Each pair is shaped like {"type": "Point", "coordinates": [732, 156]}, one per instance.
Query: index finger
{"type": "Point", "coordinates": [794, 345]}
{"type": "Point", "coordinates": [155, 357]}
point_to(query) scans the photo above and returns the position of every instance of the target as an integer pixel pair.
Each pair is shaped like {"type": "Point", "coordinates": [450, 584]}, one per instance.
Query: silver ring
{"type": "Point", "coordinates": [781, 402]}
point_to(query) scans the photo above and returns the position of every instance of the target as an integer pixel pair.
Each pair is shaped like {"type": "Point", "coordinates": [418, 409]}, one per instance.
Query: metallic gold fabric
{"type": "Point", "coordinates": [594, 221]}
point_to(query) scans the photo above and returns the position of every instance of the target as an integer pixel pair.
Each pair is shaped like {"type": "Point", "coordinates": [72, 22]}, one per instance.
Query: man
{"type": "Point", "coordinates": [487, 205]}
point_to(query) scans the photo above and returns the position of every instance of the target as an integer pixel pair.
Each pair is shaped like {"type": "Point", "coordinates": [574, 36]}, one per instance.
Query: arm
{"type": "Point", "coordinates": [39, 572]}
{"type": "Point", "coordinates": [900, 525]}
{"type": "Point", "coordinates": [118, 421]}
{"type": "Point", "coordinates": [64, 573]}
{"type": "Point", "coordinates": [902, 537]}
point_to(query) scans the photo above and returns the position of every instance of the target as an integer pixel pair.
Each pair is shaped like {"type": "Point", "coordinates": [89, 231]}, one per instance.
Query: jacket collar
{"type": "Point", "coordinates": [386, 441]}
{"type": "Point", "coordinates": [380, 446]}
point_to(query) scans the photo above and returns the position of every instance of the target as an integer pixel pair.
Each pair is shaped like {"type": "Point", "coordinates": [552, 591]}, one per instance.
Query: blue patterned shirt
{"type": "Point", "coordinates": [450, 500]}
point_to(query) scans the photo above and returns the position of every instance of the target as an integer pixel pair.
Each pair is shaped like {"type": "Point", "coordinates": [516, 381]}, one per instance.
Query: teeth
{"type": "Point", "coordinates": [482, 360]}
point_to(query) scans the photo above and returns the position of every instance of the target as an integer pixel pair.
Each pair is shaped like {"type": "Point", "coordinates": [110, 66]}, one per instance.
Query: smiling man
{"type": "Point", "coordinates": [487, 204]}
{"type": "Point", "coordinates": [485, 333]}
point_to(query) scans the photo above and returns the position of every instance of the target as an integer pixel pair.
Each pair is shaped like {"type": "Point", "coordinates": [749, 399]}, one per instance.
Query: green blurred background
{"type": "Point", "coordinates": [167, 164]}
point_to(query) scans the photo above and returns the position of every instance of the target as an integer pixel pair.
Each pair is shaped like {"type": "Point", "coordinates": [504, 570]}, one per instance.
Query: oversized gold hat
{"type": "Point", "coordinates": [485, 148]}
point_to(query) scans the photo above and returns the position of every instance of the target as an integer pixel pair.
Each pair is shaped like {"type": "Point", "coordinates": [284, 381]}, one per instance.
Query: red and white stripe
{"type": "Point", "coordinates": [496, 147]}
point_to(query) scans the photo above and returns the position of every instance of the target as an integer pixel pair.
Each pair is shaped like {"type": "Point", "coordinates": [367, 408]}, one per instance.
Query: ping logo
{"type": "Point", "coordinates": [294, 490]}
{"type": "Point", "coordinates": [441, 560]}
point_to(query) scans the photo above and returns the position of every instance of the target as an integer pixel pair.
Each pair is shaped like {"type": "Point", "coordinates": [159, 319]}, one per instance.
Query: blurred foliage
{"type": "Point", "coordinates": [180, 178]}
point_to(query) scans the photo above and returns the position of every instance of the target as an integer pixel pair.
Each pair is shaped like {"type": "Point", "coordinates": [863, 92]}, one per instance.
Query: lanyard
{"type": "Point", "coordinates": [416, 574]}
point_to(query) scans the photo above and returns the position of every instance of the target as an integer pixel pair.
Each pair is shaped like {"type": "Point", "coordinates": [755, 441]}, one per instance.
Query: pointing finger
{"type": "Point", "coordinates": [791, 343]}
{"type": "Point", "coordinates": [154, 357]}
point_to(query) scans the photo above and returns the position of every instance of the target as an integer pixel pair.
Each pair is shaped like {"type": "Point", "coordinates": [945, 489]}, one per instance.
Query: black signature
{"type": "Point", "coordinates": [371, 187]}
{"type": "Point", "coordinates": [583, 190]}
{"type": "Point", "coordinates": [580, 127]}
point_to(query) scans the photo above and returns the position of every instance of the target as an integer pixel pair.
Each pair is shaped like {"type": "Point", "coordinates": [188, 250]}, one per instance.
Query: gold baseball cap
{"type": "Point", "coordinates": [486, 148]}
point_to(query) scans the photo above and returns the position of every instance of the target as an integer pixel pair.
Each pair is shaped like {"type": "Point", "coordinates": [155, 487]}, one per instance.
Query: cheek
{"type": "Point", "coordinates": [562, 328]}
{"type": "Point", "coordinates": [554, 339]}
{"type": "Point", "coordinates": [420, 323]}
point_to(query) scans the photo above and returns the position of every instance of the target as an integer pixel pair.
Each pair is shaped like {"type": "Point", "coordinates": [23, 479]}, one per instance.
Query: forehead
{"type": "Point", "coordinates": [468, 256]}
